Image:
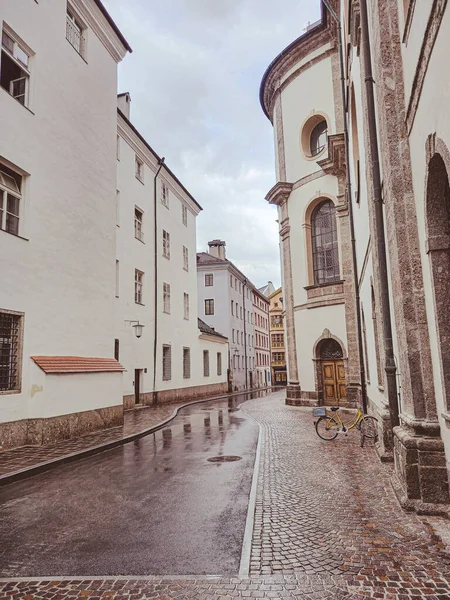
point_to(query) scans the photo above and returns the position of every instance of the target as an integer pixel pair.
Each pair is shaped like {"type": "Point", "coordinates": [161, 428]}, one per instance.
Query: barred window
{"type": "Point", "coordinates": [184, 214]}
{"type": "Point", "coordinates": [185, 259]}
{"type": "Point", "coordinates": [139, 169]}
{"type": "Point", "coordinates": [138, 285]}
{"type": "Point", "coordinates": [219, 363]}
{"type": "Point", "coordinates": [10, 336]}
{"type": "Point", "coordinates": [10, 199]}
{"type": "Point", "coordinates": [75, 33]}
{"type": "Point", "coordinates": [164, 194]}
{"type": "Point", "coordinates": [167, 363]}
{"type": "Point", "coordinates": [209, 307]}
{"type": "Point", "coordinates": [186, 306]}
{"type": "Point", "coordinates": [166, 244]}
{"type": "Point", "coordinates": [205, 363]}
{"type": "Point", "coordinates": [325, 244]}
{"type": "Point", "coordinates": [186, 363]}
{"type": "Point", "coordinates": [138, 217]}
{"type": "Point", "coordinates": [209, 280]}
{"type": "Point", "coordinates": [166, 298]}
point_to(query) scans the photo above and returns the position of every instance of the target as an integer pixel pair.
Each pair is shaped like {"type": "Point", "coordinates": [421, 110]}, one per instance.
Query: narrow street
{"type": "Point", "coordinates": [327, 523]}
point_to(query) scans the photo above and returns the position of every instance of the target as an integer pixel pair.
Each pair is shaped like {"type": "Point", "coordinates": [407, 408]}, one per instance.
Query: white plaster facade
{"type": "Point", "coordinates": [231, 293]}
{"type": "Point", "coordinates": [58, 139]}
{"type": "Point", "coordinates": [261, 338]}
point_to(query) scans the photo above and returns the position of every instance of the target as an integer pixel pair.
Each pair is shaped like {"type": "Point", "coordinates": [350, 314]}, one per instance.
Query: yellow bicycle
{"type": "Point", "coordinates": [330, 424]}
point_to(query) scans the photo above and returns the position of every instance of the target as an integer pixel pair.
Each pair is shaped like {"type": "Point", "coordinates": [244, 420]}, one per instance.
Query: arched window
{"type": "Point", "coordinates": [319, 138]}
{"type": "Point", "coordinates": [330, 349]}
{"type": "Point", "coordinates": [325, 243]}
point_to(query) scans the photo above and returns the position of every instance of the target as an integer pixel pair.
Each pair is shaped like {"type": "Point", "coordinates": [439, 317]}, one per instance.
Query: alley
{"type": "Point", "coordinates": [327, 523]}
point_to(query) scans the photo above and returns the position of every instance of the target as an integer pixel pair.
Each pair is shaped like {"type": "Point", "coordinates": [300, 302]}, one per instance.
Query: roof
{"type": "Point", "coordinates": [159, 159]}
{"type": "Point", "coordinates": [204, 258]}
{"type": "Point", "coordinates": [77, 364]}
{"type": "Point", "coordinates": [204, 328]}
{"type": "Point", "coordinates": [113, 25]}
{"type": "Point", "coordinates": [267, 289]}
{"type": "Point", "coordinates": [275, 292]}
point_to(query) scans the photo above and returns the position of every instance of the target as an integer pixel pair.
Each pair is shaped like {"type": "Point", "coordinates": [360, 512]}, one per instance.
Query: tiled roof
{"type": "Point", "coordinates": [204, 328]}
{"type": "Point", "coordinates": [204, 258]}
{"type": "Point", "coordinates": [77, 364]}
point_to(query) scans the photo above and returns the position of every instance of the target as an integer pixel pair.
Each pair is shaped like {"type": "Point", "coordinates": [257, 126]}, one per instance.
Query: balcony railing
{"type": "Point", "coordinates": [277, 344]}
{"type": "Point", "coordinates": [74, 36]}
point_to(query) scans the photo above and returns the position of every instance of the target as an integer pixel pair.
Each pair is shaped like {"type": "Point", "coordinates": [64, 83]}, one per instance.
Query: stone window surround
{"type": "Point", "coordinates": [21, 315]}
{"type": "Point", "coordinates": [313, 119]}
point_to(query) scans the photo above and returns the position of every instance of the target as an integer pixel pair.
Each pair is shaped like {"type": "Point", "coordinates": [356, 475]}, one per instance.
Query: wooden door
{"type": "Point", "coordinates": [334, 384]}
{"type": "Point", "coordinates": [137, 386]}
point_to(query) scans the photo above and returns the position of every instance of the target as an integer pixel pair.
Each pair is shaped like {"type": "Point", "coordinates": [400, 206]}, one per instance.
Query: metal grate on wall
{"type": "Point", "coordinates": [9, 351]}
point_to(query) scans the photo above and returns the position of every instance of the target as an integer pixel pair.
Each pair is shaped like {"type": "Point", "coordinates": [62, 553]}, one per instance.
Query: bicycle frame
{"type": "Point", "coordinates": [335, 415]}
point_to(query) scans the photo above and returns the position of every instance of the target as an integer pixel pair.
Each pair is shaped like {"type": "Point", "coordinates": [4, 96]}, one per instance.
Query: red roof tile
{"type": "Point", "coordinates": [77, 364]}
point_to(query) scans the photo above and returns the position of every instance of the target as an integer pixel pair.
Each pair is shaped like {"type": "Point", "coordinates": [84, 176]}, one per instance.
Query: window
{"type": "Point", "coordinates": [138, 216]}
{"type": "Point", "coordinates": [74, 33]}
{"type": "Point", "coordinates": [209, 281]}
{"type": "Point", "coordinates": [186, 363]}
{"type": "Point", "coordinates": [167, 363]}
{"type": "Point", "coordinates": [205, 363]}
{"type": "Point", "coordinates": [184, 214]}
{"type": "Point", "coordinates": [241, 311]}
{"type": "Point", "coordinates": [186, 306]}
{"type": "Point", "coordinates": [237, 310]}
{"type": "Point", "coordinates": [319, 138]}
{"type": "Point", "coordinates": [166, 244]}
{"type": "Point", "coordinates": [232, 307]}
{"type": "Point", "coordinates": [278, 357]}
{"type": "Point", "coordinates": [164, 194]}
{"type": "Point", "coordinates": [209, 307]}
{"type": "Point", "coordinates": [116, 349]}
{"type": "Point", "coordinates": [185, 259]}
{"type": "Point", "coordinates": [118, 147]}
{"type": "Point", "coordinates": [233, 335]}
{"type": "Point", "coordinates": [138, 284]}
{"type": "Point", "coordinates": [139, 172]}
{"type": "Point", "coordinates": [166, 298]}
{"type": "Point", "coordinates": [325, 243]}
{"type": "Point", "coordinates": [117, 208]}
{"type": "Point", "coordinates": [10, 200]}
{"type": "Point", "coordinates": [14, 68]}
{"type": "Point", "coordinates": [231, 280]}
{"type": "Point", "coordinates": [277, 340]}
{"type": "Point", "coordinates": [117, 278]}
{"type": "Point", "coordinates": [219, 363]}
{"type": "Point", "coordinates": [10, 351]}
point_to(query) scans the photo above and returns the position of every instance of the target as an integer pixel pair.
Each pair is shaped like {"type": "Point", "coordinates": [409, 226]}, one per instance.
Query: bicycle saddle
{"type": "Point", "coordinates": [334, 408]}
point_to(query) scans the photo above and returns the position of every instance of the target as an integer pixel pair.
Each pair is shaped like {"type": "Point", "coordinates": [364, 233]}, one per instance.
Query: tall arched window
{"type": "Point", "coordinates": [325, 243]}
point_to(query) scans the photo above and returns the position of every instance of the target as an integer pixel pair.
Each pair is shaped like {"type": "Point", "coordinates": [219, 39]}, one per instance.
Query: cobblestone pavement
{"type": "Point", "coordinates": [327, 526]}
{"type": "Point", "coordinates": [135, 421]}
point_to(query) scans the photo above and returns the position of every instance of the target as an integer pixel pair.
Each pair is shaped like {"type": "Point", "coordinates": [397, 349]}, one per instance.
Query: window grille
{"type": "Point", "coordinates": [330, 349]}
{"type": "Point", "coordinates": [164, 194]}
{"type": "Point", "coordinates": [319, 138]}
{"type": "Point", "coordinates": [9, 351]}
{"type": "Point", "coordinates": [167, 363]}
{"type": "Point", "coordinates": [184, 214]}
{"type": "Point", "coordinates": [205, 363]}
{"type": "Point", "coordinates": [139, 169]}
{"type": "Point", "coordinates": [219, 363]}
{"type": "Point", "coordinates": [74, 33]}
{"type": "Point", "coordinates": [185, 258]}
{"type": "Point", "coordinates": [186, 363]}
{"type": "Point", "coordinates": [209, 281]}
{"type": "Point", "coordinates": [209, 307]}
{"type": "Point", "coordinates": [166, 244]}
{"type": "Point", "coordinates": [138, 285]}
{"type": "Point", "coordinates": [186, 305]}
{"type": "Point", "coordinates": [166, 297]}
{"type": "Point", "coordinates": [138, 218]}
{"type": "Point", "coordinates": [325, 244]}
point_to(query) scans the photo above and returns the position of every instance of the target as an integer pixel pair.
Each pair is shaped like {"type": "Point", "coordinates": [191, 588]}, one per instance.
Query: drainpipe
{"type": "Point", "coordinates": [348, 185]}
{"type": "Point", "coordinates": [155, 329]}
{"type": "Point", "coordinates": [245, 334]}
{"type": "Point", "coordinates": [389, 359]}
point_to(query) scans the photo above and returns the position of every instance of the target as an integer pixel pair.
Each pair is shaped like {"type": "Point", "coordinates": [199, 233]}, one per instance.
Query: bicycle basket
{"type": "Point", "coordinates": [319, 411]}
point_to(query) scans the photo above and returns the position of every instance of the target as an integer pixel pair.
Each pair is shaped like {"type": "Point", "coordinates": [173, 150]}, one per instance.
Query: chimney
{"type": "Point", "coordinates": [217, 249]}
{"type": "Point", "coordinates": [123, 104]}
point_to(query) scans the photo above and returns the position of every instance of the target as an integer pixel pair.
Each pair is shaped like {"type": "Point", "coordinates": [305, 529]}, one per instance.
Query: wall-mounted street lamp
{"type": "Point", "coordinates": [137, 327]}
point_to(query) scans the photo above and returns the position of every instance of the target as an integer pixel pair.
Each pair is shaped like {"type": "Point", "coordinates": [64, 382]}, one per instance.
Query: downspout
{"type": "Point", "coordinates": [155, 329]}
{"type": "Point", "coordinates": [348, 193]}
{"type": "Point", "coordinates": [245, 335]}
{"type": "Point", "coordinates": [390, 366]}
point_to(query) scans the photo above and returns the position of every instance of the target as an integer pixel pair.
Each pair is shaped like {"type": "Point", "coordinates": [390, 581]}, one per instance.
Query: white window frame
{"type": "Point", "coordinates": [186, 306]}
{"type": "Point", "coordinates": [164, 194]}
{"type": "Point", "coordinates": [184, 215]}
{"type": "Point", "coordinates": [139, 169]}
{"type": "Point", "coordinates": [138, 286]}
{"type": "Point", "coordinates": [75, 32]}
{"type": "Point", "coordinates": [166, 362]}
{"type": "Point", "coordinates": [10, 187]}
{"type": "Point", "coordinates": [166, 298]}
{"type": "Point", "coordinates": [138, 224]}
{"type": "Point", "coordinates": [185, 258]}
{"type": "Point", "coordinates": [166, 244]}
{"type": "Point", "coordinates": [209, 300]}
{"type": "Point", "coordinates": [13, 54]}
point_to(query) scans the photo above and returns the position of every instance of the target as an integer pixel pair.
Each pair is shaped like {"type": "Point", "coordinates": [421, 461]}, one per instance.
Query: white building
{"type": "Point", "coordinates": [225, 302]}
{"type": "Point", "coordinates": [58, 81]}
{"type": "Point", "coordinates": [156, 281]}
{"type": "Point", "coordinates": [261, 305]}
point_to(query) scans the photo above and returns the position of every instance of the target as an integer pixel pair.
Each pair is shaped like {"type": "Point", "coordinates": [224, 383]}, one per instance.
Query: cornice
{"type": "Point", "coordinates": [335, 162]}
{"type": "Point", "coordinates": [90, 12]}
{"type": "Point", "coordinates": [279, 193]}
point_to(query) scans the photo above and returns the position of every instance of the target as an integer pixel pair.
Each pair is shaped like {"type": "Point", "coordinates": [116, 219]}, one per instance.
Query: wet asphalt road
{"type": "Point", "coordinates": [151, 507]}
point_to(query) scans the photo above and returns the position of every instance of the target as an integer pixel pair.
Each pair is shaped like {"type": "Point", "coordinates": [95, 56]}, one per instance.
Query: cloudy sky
{"type": "Point", "coordinates": [194, 80]}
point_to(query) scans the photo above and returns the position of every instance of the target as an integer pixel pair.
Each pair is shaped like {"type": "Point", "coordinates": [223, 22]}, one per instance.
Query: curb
{"type": "Point", "coordinates": [47, 465]}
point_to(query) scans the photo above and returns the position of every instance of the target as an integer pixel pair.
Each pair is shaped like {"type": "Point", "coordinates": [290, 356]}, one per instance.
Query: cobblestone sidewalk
{"type": "Point", "coordinates": [327, 526]}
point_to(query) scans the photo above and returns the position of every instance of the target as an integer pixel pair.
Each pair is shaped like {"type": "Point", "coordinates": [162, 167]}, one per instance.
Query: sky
{"type": "Point", "coordinates": [194, 78]}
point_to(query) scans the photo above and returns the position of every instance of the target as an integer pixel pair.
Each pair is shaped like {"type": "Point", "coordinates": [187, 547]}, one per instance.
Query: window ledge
{"type": "Point", "coordinates": [139, 240]}
{"type": "Point", "coordinates": [9, 392]}
{"type": "Point", "coordinates": [334, 288]}
{"type": "Point", "coordinates": [167, 257]}
{"type": "Point", "coordinates": [11, 96]}
{"type": "Point", "coordinates": [16, 236]}
{"type": "Point", "coordinates": [139, 179]}
{"type": "Point", "coordinates": [140, 303]}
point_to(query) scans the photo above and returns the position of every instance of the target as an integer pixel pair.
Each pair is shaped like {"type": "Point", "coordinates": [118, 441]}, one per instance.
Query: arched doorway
{"type": "Point", "coordinates": [438, 249]}
{"type": "Point", "coordinates": [331, 372]}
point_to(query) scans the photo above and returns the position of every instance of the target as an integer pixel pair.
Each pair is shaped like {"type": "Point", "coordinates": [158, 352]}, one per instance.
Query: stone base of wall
{"type": "Point", "coordinates": [385, 444]}
{"type": "Point", "coordinates": [178, 395]}
{"type": "Point", "coordinates": [297, 397]}
{"type": "Point", "coordinates": [421, 479]}
{"type": "Point", "coordinates": [40, 432]}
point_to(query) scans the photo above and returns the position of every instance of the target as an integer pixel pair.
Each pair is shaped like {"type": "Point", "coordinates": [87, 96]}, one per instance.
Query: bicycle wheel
{"type": "Point", "coordinates": [369, 427]}
{"type": "Point", "coordinates": [327, 428]}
